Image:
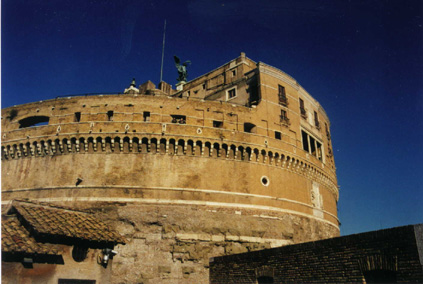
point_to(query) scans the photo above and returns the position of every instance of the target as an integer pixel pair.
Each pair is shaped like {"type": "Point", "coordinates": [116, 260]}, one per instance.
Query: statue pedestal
{"type": "Point", "coordinates": [180, 85]}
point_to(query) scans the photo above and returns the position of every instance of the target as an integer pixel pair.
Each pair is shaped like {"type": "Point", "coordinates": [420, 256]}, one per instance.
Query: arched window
{"type": "Point", "coordinates": [250, 128]}
{"type": "Point", "coordinates": [79, 253]}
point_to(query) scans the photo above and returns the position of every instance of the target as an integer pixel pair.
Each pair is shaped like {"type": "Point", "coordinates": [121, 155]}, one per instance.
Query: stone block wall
{"type": "Point", "coordinates": [172, 243]}
{"type": "Point", "coordinates": [386, 255]}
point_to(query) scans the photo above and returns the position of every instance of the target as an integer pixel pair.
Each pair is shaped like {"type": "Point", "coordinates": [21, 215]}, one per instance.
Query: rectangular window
{"type": "Point", "coordinates": [77, 116]}
{"type": "Point", "coordinates": [305, 141]}
{"type": "Point", "coordinates": [110, 115]}
{"type": "Point", "coordinates": [278, 135]}
{"type": "Point", "coordinates": [302, 109]}
{"type": "Point", "coordinates": [284, 117]}
{"type": "Point", "coordinates": [217, 123]}
{"type": "Point", "coordinates": [319, 151]}
{"type": "Point", "coordinates": [181, 119]}
{"type": "Point", "coordinates": [231, 93]}
{"type": "Point", "coordinates": [312, 146]}
{"type": "Point", "coordinates": [316, 120]}
{"type": "Point", "coordinates": [233, 73]}
{"type": "Point", "coordinates": [282, 96]}
{"type": "Point", "coordinates": [146, 116]}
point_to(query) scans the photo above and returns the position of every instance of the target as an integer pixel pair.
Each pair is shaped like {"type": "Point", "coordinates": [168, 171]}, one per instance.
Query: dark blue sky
{"type": "Point", "coordinates": [362, 60]}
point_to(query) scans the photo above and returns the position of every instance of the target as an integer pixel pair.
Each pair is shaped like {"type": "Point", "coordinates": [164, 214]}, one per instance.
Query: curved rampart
{"type": "Point", "coordinates": [183, 179]}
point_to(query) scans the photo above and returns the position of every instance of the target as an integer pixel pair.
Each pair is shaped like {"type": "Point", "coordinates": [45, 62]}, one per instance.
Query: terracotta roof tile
{"type": "Point", "coordinates": [45, 219]}
{"type": "Point", "coordinates": [15, 238]}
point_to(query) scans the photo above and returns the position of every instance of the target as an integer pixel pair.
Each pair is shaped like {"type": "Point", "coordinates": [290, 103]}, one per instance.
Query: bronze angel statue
{"type": "Point", "coordinates": [182, 68]}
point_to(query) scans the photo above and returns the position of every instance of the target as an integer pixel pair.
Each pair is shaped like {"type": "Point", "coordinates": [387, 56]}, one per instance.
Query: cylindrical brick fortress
{"type": "Point", "coordinates": [238, 159]}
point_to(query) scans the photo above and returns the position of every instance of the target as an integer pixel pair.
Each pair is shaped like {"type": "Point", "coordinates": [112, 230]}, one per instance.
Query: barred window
{"type": "Point", "coordinates": [316, 120]}
{"type": "Point", "coordinates": [282, 96]}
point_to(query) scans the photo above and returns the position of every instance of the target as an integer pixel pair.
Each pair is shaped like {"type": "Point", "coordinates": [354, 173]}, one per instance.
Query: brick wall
{"type": "Point", "coordinates": [341, 259]}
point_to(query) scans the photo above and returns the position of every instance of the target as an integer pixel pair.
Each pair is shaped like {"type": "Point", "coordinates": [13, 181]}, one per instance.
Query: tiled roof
{"type": "Point", "coordinates": [15, 238]}
{"type": "Point", "coordinates": [44, 219]}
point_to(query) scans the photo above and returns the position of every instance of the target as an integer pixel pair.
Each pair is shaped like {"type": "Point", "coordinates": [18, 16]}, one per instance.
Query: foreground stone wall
{"type": "Point", "coordinates": [386, 256]}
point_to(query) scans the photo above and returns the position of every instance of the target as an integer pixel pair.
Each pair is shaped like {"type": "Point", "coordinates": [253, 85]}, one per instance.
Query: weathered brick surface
{"type": "Point", "coordinates": [342, 259]}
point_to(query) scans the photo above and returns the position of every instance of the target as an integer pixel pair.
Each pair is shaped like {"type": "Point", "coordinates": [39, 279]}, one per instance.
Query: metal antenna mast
{"type": "Point", "coordinates": [164, 37]}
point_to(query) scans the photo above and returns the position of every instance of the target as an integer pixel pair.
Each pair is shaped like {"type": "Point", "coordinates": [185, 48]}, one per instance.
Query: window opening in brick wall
{"type": "Point", "coordinates": [303, 110]}
{"type": "Point", "coordinates": [278, 135]}
{"type": "Point", "coordinates": [231, 94]}
{"type": "Point", "coordinates": [316, 120]}
{"type": "Point", "coordinates": [311, 145]}
{"type": "Point", "coordinates": [282, 96]}
{"type": "Point", "coordinates": [110, 115]}
{"type": "Point", "coordinates": [233, 73]}
{"type": "Point", "coordinates": [319, 151]}
{"type": "Point", "coordinates": [305, 141]}
{"type": "Point", "coordinates": [33, 121]}
{"type": "Point", "coordinates": [181, 119]}
{"type": "Point", "coordinates": [217, 123]}
{"type": "Point", "coordinates": [250, 128]}
{"type": "Point", "coordinates": [146, 116]}
{"type": "Point", "coordinates": [284, 117]}
{"type": "Point", "coordinates": [77, 116]}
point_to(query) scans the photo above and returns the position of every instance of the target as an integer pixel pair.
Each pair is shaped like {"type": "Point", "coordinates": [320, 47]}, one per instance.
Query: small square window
{"type": "Point", "coordinates": [233, 73]}
{"type": "Point", "coordinates": [231, 94]}
{"type": "Point", "coordinates": [249, 127]}
{"type": "Point", "coordinates": [217, 123]}
{"type": "Point", "coordinates": [146, 116]}
{"type": "Point", "coordinates": [278, 135]}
